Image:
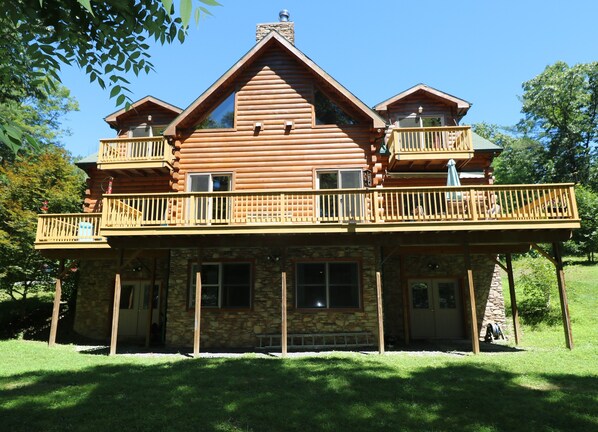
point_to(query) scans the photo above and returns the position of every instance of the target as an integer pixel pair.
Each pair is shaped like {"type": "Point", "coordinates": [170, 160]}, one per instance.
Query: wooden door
{"type": "Point", "coordinates": [435, 308]}
{"type": "Point", "coordinates": [134, 309]}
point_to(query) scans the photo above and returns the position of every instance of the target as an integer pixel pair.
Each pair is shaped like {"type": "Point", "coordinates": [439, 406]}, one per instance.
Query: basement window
{"type": "Point", "coordinates": [223, 285]}
{"type": "Point", "coordinates": [329, 113]}
{"type": "Point", "coordinates": [221, 117]}
{"type": "Point", "coordinates": [328, 285]}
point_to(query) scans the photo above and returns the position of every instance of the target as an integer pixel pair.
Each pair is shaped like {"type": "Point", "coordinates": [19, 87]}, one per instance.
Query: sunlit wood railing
{"type": "Point", "coordinates": [134, 150]}
{"type": "Point", "coordinates": [69, 227]}
{"type": "Point", "coordinates": [444, 139]}
{"type": "Point", "coordinates": [359, 206]}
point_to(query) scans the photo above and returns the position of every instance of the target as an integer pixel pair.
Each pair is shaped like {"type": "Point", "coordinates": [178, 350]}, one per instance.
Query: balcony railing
{"type": "Point", "coordinates": [78, 229]}
{"type": "Point", "coordinates": [434, 205]}
{"type": "Point", "coordinates": [446, 142]}
{"type": "Point", "coordinates": [136, 152]}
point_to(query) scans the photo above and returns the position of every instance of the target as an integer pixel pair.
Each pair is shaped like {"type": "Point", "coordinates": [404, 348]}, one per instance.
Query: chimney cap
{"type": "Point", "coordinates": [284, 15]}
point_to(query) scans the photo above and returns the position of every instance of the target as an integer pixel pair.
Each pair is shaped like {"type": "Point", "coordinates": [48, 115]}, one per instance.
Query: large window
{"type": "Point", "coordinates": [221, 117]}
{"type": "Point", "coordinates": [223, 285]}
{"type": "Point", "coordinates": [327, 112]}
{"type": "Point", "coordinates": [327, 285]}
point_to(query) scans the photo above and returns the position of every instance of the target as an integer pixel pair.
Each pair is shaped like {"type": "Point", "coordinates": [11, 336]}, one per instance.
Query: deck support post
{"type": "Point", "coordinates": [560, 273]}
{"type": "Point", "coordinates": [514, 309]}
{"type": "Point", "coordinates": [197, 326]}
{"type": "Point", "coordinates": [116, 304]}
{"type": "Point", "coordinates": [283, 332]}
{"type": "Point", "coordinates": [56, 307]}
{"type": "Point", "coordinates": [405, 294]}
{"type": "Point", "coordinates": [380, 314]}
{"type": "Point", "coordinates": [475, 340]}
{"type": "Point", "coordinates": [151, 304]}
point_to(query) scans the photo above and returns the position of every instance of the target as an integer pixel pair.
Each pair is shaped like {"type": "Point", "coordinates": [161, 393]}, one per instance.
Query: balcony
{"type": "Point", "coordinates": [346, 210]}
{"type": "Point", "coordinates": [135, 156]}
{"type": "Point", "coordinates": [69, 231]}
{"type": "Point", "coordinates": [428, 146]}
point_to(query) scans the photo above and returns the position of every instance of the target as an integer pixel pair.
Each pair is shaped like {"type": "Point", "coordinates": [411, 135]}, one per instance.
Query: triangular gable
{"type": "Point", "coordinates": [272, 38]}
{"type": "Point", "coordinates": [113, 118]}
{"type": "Point", "coordinates": [462, 105]}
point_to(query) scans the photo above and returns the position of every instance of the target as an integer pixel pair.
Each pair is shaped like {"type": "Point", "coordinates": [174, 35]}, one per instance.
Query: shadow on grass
{"type": "Point", "coordinates": [327, 394]}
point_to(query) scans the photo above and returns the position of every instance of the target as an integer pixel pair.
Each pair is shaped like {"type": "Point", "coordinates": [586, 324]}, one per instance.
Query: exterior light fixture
{"type": "Point", "coordinates": [257, 126]}
{"type": "Point", "coordinates": [288, 124]}
{"type": "Point", "coordinates": [149, 118]}
{"type": "Point", "coordinates": [420, 109]}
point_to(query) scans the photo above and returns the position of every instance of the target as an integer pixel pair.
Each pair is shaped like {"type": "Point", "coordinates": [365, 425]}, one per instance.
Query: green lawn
{"type": "Point", "coordinates": [542, 387]}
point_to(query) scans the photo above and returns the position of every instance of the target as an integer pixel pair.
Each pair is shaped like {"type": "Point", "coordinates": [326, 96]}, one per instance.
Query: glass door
{"type": "Point", "coordinates": [435, 307]}
{"type": "Point", "coordinates": [339, 207]}
{"type": "Point", "coordinates": [210, 209]}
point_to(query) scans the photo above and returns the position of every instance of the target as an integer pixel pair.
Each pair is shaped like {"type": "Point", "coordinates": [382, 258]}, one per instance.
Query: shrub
{"type": "Point", "coordinates": [537, 282]}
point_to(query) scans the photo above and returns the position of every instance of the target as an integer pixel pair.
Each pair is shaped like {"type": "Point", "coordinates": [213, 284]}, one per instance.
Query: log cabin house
{"type": "Point", "coordinates": [279, 211]}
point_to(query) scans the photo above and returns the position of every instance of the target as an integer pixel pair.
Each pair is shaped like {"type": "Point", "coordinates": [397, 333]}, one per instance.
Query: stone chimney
{"type": "Point", "coordinates": [284, 27]}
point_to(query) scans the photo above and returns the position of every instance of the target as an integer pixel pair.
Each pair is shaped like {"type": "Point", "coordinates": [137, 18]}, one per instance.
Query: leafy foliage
{"type": "Point", "coordinates": [45, 181]}
{"type": "Point", "coordinates": [585, 239]}
{"type": "Point", "coordinates": [561, 111]}
{"type": "Point", "coordinates": [538, 283]}
{"type": "Point", "coordinates": [107, 39]}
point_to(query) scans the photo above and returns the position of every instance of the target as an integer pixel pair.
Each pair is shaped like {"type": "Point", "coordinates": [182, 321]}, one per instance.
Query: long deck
{"type": "Point", "coordinates": [433, 209]}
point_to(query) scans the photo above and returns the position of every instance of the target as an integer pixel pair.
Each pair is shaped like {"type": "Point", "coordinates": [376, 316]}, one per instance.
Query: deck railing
{"type": "Point", "coordinates": [444, 139]}
{"type": "Point", "coordinates": [134, 150]}
{"type": "Point", "coordinates": [359, 206]}
{"type": "Point", "coordinates": [69, 227]}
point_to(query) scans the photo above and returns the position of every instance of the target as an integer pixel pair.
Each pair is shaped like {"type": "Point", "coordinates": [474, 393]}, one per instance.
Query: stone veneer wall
{"type": "Point", "coordinates": [238, 328]}
{"type": "Point", "coordinates": [93, 314]}
{"type": "Point", "coordinates": [487, 282]}
{"type": "Point", "coordinates": [285, 29]}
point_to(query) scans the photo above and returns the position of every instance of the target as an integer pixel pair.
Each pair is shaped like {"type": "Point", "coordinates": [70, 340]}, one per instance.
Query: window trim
{"type": "Point", "coordinates": [216, 105]}
{"type": "Point", "coordinates": [327, 262]}
{"type": "Point", "coordinates": [314, 123]}
{"type": "Point", "coordinates": [191, 284]}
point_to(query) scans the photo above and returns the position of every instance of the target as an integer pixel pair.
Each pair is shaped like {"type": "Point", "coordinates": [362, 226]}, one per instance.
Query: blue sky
{"type": "Point", "coordinates": [478, 50]}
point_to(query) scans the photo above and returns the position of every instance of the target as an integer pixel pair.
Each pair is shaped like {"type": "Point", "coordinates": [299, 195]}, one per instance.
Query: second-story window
{"type": "Point", "coordinates": [221, 117]}
{"type": "Point", "coordinates": [329, 113]}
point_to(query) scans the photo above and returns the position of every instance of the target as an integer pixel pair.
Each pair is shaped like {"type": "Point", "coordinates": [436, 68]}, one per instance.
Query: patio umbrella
{"type": "Point", "coordinates": [452, 179]}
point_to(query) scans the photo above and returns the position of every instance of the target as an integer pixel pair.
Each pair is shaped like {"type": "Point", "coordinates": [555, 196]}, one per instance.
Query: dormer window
{"type": "Point", "coordinates": [329, 113]}
{"type": "Point", "coordinates": [221, 117]}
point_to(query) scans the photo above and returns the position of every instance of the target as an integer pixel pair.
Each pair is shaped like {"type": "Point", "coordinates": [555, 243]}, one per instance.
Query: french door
{"type": "Point", "coordinates": [213, 209]}
{"type": "Point", "coordinates": [134, 308]}
{"type": "Point", "coordinates": [340, 207]}
{"type": "Point", "coordinates": [435, 307]}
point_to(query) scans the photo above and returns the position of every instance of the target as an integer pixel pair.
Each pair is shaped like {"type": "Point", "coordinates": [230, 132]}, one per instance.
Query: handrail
{"type": "Point", "coordinates": [443, 139]}
{"type": "Point", "coordinates": [380, 205]}
{"type": "Point", "coordinates": [69, 227]}
{"type": "Point", "coordinates": [134, 149]}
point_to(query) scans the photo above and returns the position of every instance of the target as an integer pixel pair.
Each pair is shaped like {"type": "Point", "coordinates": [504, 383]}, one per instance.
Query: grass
{"type": "Point", "coordinates": [542, 387]}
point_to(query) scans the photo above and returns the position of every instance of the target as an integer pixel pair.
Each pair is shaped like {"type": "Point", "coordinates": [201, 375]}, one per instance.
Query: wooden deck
{"type": "Point", "coordinates": [135, 155]}
{"type": "Point", "coordinates": [429, 143]}
{"type": "Point", "coordinates": [427, 209]}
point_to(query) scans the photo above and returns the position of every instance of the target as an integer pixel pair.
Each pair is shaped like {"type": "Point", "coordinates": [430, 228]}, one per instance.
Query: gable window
{"type": "Point", "coordinates": [223, 285]}
{"type": "Point", "coordinates": [327, 285]}
{"type": "Point", "coordinates": [327, 112]}
{"type": "Point", "coordinates": [221, 117]}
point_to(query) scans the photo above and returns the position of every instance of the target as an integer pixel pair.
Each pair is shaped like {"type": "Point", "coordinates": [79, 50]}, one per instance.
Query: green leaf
{"type": "Point", "coordinates": [210, 2]}
{"type": "Point", "coordinates": [86, 4]}
{"type": "Point", "coordinates": [167, 5]}
{"type": "Point", "coordinates": [186, 8]}
{"type": "Point", "coordinates": [115, 90]}
{"type": "Point", "coordinates": [33, 143]}
{"type": "Point", "coordinates": [181, 36]}
{"type": "Point", "coordinates": [120, 99]}
{"type": "Point", "coordinates": [197, 16]}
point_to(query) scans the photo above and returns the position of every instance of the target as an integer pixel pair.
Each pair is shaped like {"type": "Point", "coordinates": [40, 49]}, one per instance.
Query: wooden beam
{"type": "Point", "coordinates": [405, 293]}
{"type": "Point", "coordinates": [116, 304]}
{"type": "Point", "coordinates": [514, 310]}
{"type": "Point", "coordinates": [56, 307]}
{"type": "Point", "coordinates": [496, 261]}
{"type": "Point", "coordinates": [544, 254]}
{"type": "Point", "coordinates": [150, 317]}
{"type": "Point", "coordinates": [475, 340]}
{"type": "Point", "coordinates": [380, 314]}
{"type": "Point", "coordinates": [560, 273]}
{"type": "Point", "coordinates": [197, 327]}
{"type": "Point", "coordinates": [283, 333]}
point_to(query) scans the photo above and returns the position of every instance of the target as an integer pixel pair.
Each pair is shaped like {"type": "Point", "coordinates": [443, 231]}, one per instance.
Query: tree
{"type": "Point", "coordinates": [107, 39]}
{"type": "Point", "coordinates": [46, 181]}
{"type": "Point", "coordinates": [585, 239]}
{"type": "Point", "coordinates": [523, 160]}
{"type": "Point", "coordinates": [560, 108]}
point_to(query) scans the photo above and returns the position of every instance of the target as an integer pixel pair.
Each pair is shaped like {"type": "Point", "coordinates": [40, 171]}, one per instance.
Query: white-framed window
{"type": "Point", "coordinates": [327, 285]}
{"type": "Point", "coordinates": [340, 207]}
{"type": "Point", "coordinates": [223, 285]}
{"type": "Point", "coordinates": [214, 209]}
{"type": "Point", "coordinates": [421, 121]}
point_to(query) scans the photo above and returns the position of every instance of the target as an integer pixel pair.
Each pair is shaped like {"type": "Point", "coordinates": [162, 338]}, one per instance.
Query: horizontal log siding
{"type": "Point", "coordinates": [431, 106]}
{"type": "Point", "coordinates": [160, 117]}
{"type": "Point", "coordinates": [128, 185]}
{"type": "Point", "coordinates": [273, 90]}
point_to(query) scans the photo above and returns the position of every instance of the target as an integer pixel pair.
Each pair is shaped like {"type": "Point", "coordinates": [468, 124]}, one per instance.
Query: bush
{"type": "Point", "coordinates": [537, 282]}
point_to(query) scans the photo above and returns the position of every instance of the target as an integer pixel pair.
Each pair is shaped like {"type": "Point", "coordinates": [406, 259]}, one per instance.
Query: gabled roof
{"type": "Point", "coordinates": [271, 39]}
{"type": "Point", "coordinates": [112, 118]}
{"type": "Point", "coordinates": [462, 105]}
